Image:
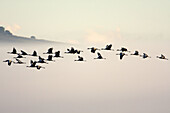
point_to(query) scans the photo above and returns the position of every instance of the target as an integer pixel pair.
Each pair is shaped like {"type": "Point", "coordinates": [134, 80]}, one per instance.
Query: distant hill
{"type": "Point", "coordinates": [7, 37]}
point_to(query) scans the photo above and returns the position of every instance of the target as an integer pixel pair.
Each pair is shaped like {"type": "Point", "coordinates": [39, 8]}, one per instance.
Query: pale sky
{"type": "Point", "coordinates": [76, 21]}
{"type": "Point", "coordinates": [131, 85]}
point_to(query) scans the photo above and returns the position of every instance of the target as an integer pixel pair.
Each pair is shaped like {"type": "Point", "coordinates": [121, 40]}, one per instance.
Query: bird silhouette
{"type": "Point", "coordinates": [78, 51]}
{"type": "Point", "coordinates": [19, 62]}
{"type": "Point", "coordinates": [9, 62]}
{"type": "Point", "coordinates": [32, 63]}
{"type": "Point", "coordinates": [145, 56]}
{"type": "Point", "coordinates": [93, 49]}
{"type": "Point", "coordinates": [80, 59]}
{"type": "Point", "coordinates": [50, 51]}
{"type": "Point", "coordinates": [23, 52]}
{"type": "Point", "coordinates": [121, 55]}
{"type": "Point", "coordinates": [39, 67]}
{"type": "Point", "coordinates": [73, 51]}
{"type": "Point", "coordinates": [50, 58]}
{"type": "Point", "coordinates": [123, 49]}
{"type": "Point", "coordinates": [108, 47]}
{"type": "Point", "coordinates": [19, 56]}
{"type": "Point", "coordinates": [162, 57]}
{"type": "Point", "coordinates": [57, 54]}
{"type": "Point", "coordinates": [99, 56]}
{"type": "Point", "coordinates": [41, 60]}
{"type": "Point", "coordinates": [14, 51]}
{"type": "Point", "coordinates": [135, 53]}
{"type": "Point", "coordinates": [34, 54]}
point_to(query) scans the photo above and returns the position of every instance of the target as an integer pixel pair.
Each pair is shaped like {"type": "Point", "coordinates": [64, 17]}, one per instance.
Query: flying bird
{"type": "Point", "coordinates": [73, 51]}
{"type": "Point", "coordinates": [135, 53]}
{"type": "Point", "coordinates": [121, 55]}
{"type": "Point", "coordinates": [19, 56]}
{"type": "Point", "coordinates": [80, 59]}
{"type": "Point", "coordinates": [14, 51]}
{"type": "Point", "coordinates": [23, 52]}
{"type": "Point", "coordinates": [34, 54]}
{"type": "Point", "coordinates": [145, 56]}
{"type": "Point", "coordinates": [78, 51]}
{"type": "Point", "coordinates": [57, 54]}
{"type": "Point", "coordinates": [162, 57]}
{"type": "Point", "coordinates": [50, 58]}
{"type": "Point", "coordinates": [41, 60]}
{"type": "Point", "coordinates": [32, 63]}
{"type": "Point", "coordinates": [108, 47]}
{"type": "Point", "coordinates": [93, 49]}
{"type": "Point", "coordinates": [19, 62]}
{"type": "Point", "coordinates": [50, 51]}
{"type": "Point", "coordinates": [99, 56]}
{"type": "Point", "coordinates": [123, 49]}
{"type": "Point", "coordinates": [39, 67]}
{"type": "Point", "coordinates": [9, 62]}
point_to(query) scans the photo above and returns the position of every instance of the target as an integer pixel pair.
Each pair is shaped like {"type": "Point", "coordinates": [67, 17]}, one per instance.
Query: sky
{"type": "Point", "coordinates": [131, 85]}
{"type": "Point", "coordinates": [78, 21]}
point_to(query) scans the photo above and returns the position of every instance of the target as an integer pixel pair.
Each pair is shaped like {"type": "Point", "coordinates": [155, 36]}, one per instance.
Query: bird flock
{"type": "Point", "coordinates": [35, 64]}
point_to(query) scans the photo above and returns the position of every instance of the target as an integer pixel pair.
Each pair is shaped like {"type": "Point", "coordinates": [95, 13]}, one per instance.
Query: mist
{"type": "Point", "coordinates": [130, 85]}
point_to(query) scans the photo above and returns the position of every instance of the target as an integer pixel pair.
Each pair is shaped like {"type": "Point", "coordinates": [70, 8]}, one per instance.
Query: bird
{"type": "Point", "coordinates": [34, 53]}
{"type": "Point", "coordinates": [108, 47]}
{"type": "Point", "coordinates": [135, 53]}
{"type": "Point", "coordinates": [78, 51]}
{"type": "Point", "coordinates": [50, 58]}
{"type": "Point", "coordinates": [19, 56]}
{"type": "Point", "coordinates": [9, 62]}
{"type": "Point", "coordinates": [32, 63]}
{"type": "Point", "coordinates": [121, 55]}
{"type": "Point", "coordinates": [80, 59]}
{"type": "Point", "coordinates": [99, 56]}
{"type": "Point", "coordinates": [39, 67]}
{"type": "Point", "coordinates": [145, 56]}
{"type": "Point", "coordinates": [162, 57]}
{"type": "Point", "coordinates": [73, 51]}
{"type": "Point", "coordinates": [50, 51]}
{"type": "Point", "coordinates": [41, 60]}
{"type": "Point", "coordinates": [14, 51]}
{"type": "Point", "coordinates": [23, 52]}
{"type": "Point", "coordinates": [57, 54]}
{"type": "Point", "coordinates": [123, 49]}
{"type": "Point", "coordinates": [93, 49]}
{"type": "Point", "coordinates": [19, 62]}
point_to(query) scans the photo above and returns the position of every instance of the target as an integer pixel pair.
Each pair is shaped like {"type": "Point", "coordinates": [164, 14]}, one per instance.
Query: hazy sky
{"type": "Point", "coordinates": [131, 85]}
{"type": "Point", "coordinates": [76, 21]}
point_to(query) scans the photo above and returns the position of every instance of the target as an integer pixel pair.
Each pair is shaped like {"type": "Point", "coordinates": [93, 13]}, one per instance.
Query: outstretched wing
{"type": "Point", "coordinates": [18, 60]}
{"type": "Point", "coordinates": [23, 52]}
{"type": "Point", "coordinates": [14, 51]}
{"type": "Point", "coordinates": [50, 57]}
{"type": "Point", "coordinates": [50, 50]}
{"type": "Point", "coordinates": [31, 62]}
{"type": "Point", "coordinates": [99, 55]}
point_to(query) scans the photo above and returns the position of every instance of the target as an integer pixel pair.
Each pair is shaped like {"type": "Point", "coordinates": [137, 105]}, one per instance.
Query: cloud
{"type": "Point", "coordinates": [102, 37]}
{"type": "Point", "coordinates": [13, 28]}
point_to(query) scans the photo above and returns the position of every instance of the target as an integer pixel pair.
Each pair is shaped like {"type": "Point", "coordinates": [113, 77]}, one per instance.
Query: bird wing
{"type": "Point", "coordinates": [23, 52]}
{"type": "Point", "coordinates": [14, 50]}
{"type": "Point", "coordinates": [18, 60]}
{"type": "Point", "coordinates": [31, 62]}
{"type": "Point", "coordinates": [99, 54]}
{"type": "Point", "coordinates": [50, 57]}
{"type": "Point", "coordinates": [50, 50]}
